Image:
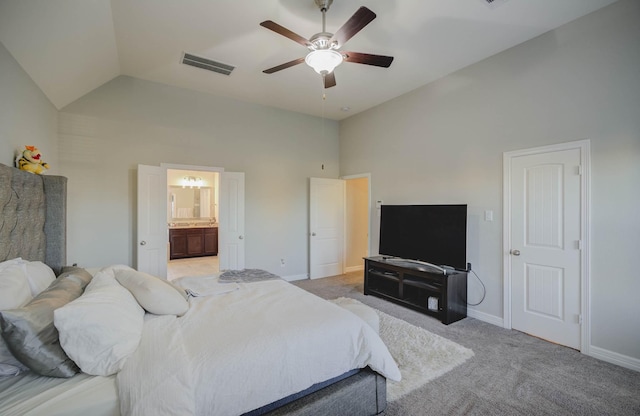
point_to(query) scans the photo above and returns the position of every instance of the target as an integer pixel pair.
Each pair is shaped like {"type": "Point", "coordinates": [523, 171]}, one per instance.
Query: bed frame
{"type": "Point", "coordinates": [33, 226]}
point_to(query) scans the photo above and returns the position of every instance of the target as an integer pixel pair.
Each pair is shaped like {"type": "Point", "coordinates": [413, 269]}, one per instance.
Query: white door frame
{"type": "Point", "coordinates": [166, 166]}
{"type": "Point", "coordinates": [585, 221]}
{"type": "Point", "coordinates": [358, 176]}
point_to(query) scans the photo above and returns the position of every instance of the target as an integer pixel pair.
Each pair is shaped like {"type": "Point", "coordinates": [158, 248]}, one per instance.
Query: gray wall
{"type": "Point", "coordinates": [443, 143]}
{"type": "Point", "coordinates": [126, 122]}
{"type": "Point", "coordinates": [27, 117]}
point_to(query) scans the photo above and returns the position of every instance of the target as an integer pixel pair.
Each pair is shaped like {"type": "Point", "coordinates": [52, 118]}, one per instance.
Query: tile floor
{"type": "Point", "coordinates": [196, 266]}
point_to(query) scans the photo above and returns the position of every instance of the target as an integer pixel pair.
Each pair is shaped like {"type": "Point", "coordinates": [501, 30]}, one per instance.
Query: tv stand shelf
{"type": "Point", "coordinates": [407, 285]}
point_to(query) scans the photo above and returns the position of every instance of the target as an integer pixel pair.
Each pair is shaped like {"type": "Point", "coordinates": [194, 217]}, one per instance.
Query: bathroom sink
{"type": "Point", "coordinates": [192, 225]}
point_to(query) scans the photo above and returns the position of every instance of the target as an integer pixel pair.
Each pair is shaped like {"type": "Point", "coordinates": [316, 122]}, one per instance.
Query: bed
{"type": "Point", "coordinates": [228, 353]}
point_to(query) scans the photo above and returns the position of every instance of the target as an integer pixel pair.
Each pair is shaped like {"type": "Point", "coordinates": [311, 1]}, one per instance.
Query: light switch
{"type": "Point", "coordinates": [488, 215]}
{"type": "Point", "coordinates": [379, 203]}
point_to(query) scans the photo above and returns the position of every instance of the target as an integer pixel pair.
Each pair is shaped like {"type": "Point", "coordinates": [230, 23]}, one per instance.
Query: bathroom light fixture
{"type": "Point", "coordinates": [191, 181]}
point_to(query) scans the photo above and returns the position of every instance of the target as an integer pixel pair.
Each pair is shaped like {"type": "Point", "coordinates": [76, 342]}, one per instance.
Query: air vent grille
{"type": "Point", "coordinates": [208, 64]}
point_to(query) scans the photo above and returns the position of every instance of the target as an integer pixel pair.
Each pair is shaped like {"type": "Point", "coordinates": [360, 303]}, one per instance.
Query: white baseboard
{"type": "Point", "coordinates": [295, 277]}
{"type": "Point", "coordinates": [615, 358]}
{"type": "Point", "coordinates": [353, 269]}
{"type": "Point", "coordinates": [485, 317]}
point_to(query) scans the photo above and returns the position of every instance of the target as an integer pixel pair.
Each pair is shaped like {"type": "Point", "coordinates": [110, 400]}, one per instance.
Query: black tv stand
{"type": "Point", "coordinates": [416, 286]}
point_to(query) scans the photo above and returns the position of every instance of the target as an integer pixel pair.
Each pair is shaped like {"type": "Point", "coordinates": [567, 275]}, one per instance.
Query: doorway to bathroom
{"type": "Point", "coordinates": [192, 219]}
{"type": "Point", "coordinates": [154, 208]}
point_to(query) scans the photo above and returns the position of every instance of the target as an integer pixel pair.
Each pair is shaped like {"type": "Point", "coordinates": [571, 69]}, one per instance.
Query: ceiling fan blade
{"type": "Point", "coordinates": [281, 30]}
{"type": "Point", "coordinates": [329, 80]}
{"type": "Point", "coordinates": [368, 59]}
{"type": "Point", "coordinates": [359, 20]}
{"type": "Point", "coordinates": [284, 66]}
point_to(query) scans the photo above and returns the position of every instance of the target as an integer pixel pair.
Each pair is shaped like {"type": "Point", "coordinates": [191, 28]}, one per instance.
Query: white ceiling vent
{"type": "Point", "coordinates": [208, 64]}
{"type": "Point", "coordinates": [494, 3]}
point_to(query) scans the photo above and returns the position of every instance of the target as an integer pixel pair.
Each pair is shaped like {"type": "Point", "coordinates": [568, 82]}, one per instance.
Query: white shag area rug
{"type": "Point", "coordinates": [421, 355]}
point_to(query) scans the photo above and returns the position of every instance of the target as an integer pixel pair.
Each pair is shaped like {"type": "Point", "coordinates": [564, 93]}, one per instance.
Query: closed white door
{"type": "Point", "coordinates": [326, 227]}
{"type": "Point", "coordinates": [231, 222]}
{"type": "Point", "coordinates": [152, 236]}
{"type": "Point", "coordinates": [545, 252]}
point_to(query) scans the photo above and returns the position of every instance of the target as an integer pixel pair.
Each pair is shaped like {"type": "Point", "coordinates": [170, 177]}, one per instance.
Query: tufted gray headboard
{"type": "Point", "coordinates": [33, 222]}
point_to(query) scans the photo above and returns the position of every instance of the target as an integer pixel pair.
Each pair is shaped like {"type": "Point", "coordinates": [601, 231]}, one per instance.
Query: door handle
{"type": "Point", "coordinates": [515, 252]}
{"type": "Point", "coordinates": [313, 234]}
{"type": "Point", "coordinates": [142, 243]}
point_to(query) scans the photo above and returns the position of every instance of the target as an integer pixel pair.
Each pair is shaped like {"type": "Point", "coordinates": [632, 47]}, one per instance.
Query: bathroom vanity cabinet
{"type": "Point", "coordinates": [193, 242]}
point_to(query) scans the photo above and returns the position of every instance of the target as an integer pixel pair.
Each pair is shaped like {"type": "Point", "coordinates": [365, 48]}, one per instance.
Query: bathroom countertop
{"type": "Point", "coordinates": [179, 225]}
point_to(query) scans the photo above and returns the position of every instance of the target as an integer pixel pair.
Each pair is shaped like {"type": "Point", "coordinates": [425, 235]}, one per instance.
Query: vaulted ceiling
{"type": "Point", "coordinates": [70, 47]}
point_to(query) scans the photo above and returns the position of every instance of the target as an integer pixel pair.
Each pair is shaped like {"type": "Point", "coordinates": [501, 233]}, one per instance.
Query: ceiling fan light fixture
{"type": "Point", "coordinates": [324, 46]}
{"type": "Point", "coordinates": [324, 61]}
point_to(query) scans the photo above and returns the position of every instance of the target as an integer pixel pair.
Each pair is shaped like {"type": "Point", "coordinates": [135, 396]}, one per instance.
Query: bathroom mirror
{"type": "Point", "coordinates": [191, 203]}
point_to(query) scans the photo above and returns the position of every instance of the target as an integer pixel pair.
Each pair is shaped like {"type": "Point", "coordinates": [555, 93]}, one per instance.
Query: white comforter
{"type": "Point", "coordinates": [238, 351]}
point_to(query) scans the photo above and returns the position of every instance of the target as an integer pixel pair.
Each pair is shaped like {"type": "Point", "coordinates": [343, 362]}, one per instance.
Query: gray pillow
{"type": "Point", "coordinates": [29, 331]}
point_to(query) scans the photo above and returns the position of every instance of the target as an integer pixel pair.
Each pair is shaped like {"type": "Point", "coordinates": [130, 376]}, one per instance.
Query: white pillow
{"type": "Point", "coordinates": [14, 286]}
{"type": "Point", "coordinates": [40, 276]}
{"type": "Point", "coordinates": [101, 328]}
{"type": "Point", "coordinates": [7, 263]}
{"type": "Point", "coordinates": [155, 295]}
{"type": "Point", "coordinates": [116, 267]}
{"type": "Point", "coordinates": [14, 293]}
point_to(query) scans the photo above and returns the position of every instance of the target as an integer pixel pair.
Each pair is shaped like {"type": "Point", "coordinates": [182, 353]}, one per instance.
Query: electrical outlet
{"type": "Point", "coordinates": [282, 263]}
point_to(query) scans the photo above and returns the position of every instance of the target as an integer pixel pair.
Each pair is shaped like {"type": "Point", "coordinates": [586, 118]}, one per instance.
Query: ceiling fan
{"type": "Point", "coordinates": [324, 47]}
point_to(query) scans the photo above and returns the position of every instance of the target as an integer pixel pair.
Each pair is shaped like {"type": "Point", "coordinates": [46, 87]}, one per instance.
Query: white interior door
{"type": "Point", "coordinates": [545, 251]}
{"type": "Point", "coordinates": [326, 227]}
{"type": "Point", "coordinates": [231, 221]}
{"type": "Point", "coordinates": [152, 235]}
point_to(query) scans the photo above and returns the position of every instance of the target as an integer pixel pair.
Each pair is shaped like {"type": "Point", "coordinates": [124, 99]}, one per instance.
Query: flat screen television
{"type": "Point", "coordinates": [435, 234]}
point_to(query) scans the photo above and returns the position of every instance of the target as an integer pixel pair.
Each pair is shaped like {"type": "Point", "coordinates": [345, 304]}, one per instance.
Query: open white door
{"type": "Point", "coordinates": [231, 221]}
{"type": "Point", "coordinates": [326, 227]}
{"type": "Point", "coordinates": [152, 237]}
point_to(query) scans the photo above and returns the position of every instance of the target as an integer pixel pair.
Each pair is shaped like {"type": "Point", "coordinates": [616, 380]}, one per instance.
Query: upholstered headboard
{"type": "Point", "coordinates": [33, 222]}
